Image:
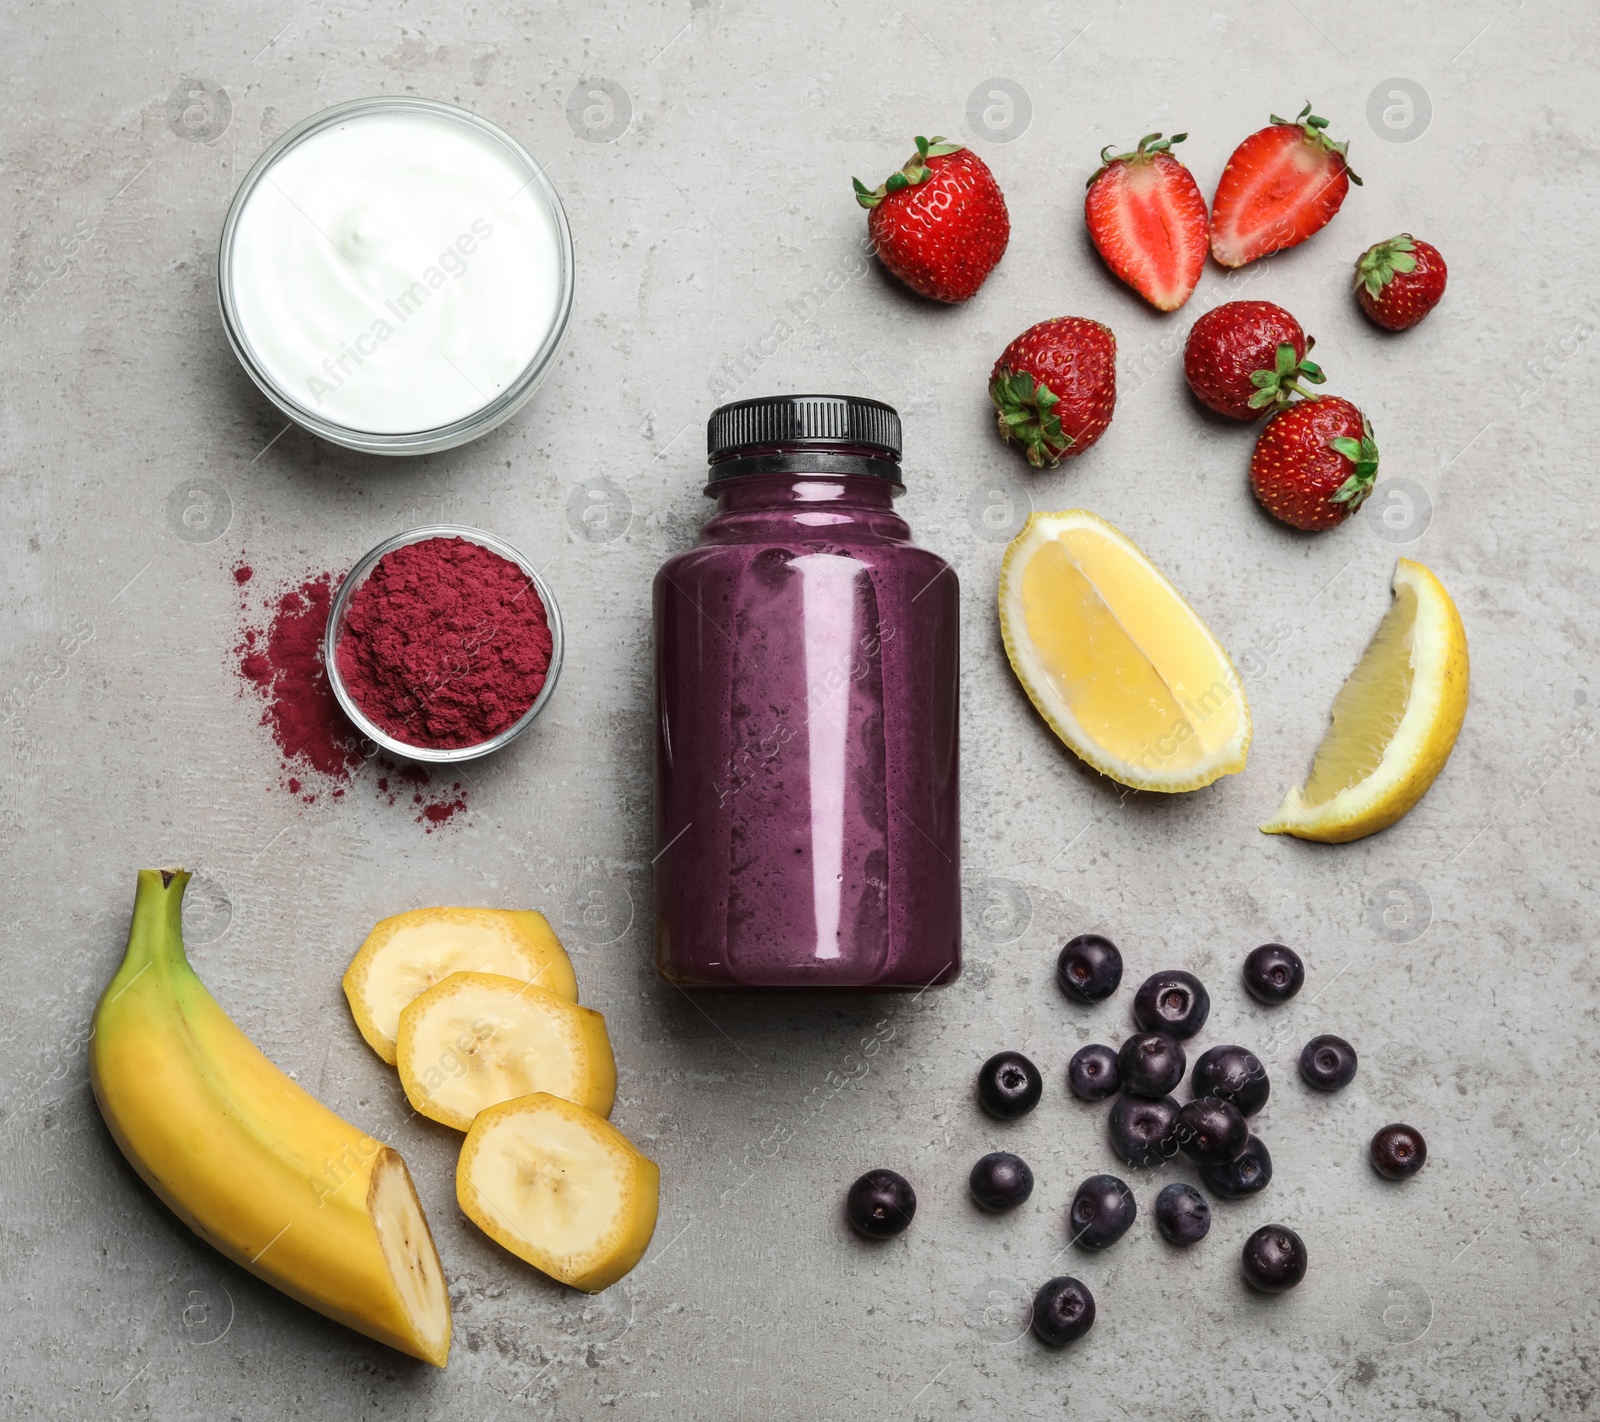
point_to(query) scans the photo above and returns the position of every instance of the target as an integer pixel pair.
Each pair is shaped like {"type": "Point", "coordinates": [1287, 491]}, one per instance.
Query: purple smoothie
{"type": "Point", "coordinates": [807, 658]}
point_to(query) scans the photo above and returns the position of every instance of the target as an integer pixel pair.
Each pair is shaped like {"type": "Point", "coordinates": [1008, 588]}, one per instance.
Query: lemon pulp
{"type": "Point", "coordinates": [1369, 707]}
{"type": "Point", "coordinates": [1395, 720]}
{"type": "Point", "coordinates": [1116, 661]}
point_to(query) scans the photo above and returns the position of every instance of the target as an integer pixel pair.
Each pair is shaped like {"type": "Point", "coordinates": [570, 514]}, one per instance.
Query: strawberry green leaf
{"type": "Point", "coordinates": [1353, 491]}
{"type": "Point", "coordinates": [1362, 453]}
{"type": "Point", "coordinates": [866, 196]}
{"type": "Point", "coordinates": [1026, 415]}
{"type": "Point", "coordinates": [1381, 262]}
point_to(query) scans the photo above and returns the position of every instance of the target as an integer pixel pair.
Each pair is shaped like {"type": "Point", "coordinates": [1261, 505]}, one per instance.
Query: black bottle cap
{"type": "Point", "coordinates": [860, 436]}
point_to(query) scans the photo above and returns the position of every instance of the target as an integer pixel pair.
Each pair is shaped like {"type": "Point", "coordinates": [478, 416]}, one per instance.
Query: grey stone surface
{"type": "Point", "coordinates": [704, 151]}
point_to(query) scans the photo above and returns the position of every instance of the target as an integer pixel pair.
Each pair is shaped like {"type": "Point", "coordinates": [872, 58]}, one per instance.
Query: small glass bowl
{"type": "Point", "coordinates": [493, 412]}
{"type": "Point", "coordinates": [438, 755]}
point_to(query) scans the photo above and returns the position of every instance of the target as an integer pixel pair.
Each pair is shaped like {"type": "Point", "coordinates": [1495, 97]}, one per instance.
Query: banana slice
{"type": "Point", "coordinates": [406, 955]}
{"type": "Point", "coordinates": [477, 1039]}
{"type": "Point", "coordinates": [560, 1188]}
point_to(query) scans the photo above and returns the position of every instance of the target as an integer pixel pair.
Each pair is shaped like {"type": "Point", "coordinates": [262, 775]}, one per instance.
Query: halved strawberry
{"type": "Point", "coordinates": [1281, 185]}
{"type": "Point", "coordinates": [1147, 217]}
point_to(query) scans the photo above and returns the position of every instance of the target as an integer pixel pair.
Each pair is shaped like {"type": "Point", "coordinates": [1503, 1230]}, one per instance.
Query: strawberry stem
{"type": "Point", "coordinates": [915, 170]}
{"type": "Point", "coordinates": [1315, 128]}
{"type": "Point", "coordinates": [1279, 386]}
{"type": "Point", "coordinates": [1150, 145]}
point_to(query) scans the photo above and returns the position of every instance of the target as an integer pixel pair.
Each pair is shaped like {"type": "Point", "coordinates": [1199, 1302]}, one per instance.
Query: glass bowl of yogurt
{"type": "Point", "coordinates": [396, 275]}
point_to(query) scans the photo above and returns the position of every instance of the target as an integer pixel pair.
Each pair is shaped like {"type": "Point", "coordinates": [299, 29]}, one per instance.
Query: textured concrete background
{"type": "Point", "coordinates": [704, 151]}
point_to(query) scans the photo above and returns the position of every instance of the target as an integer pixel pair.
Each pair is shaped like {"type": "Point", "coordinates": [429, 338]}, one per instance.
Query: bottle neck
{"type": "Point", "coordinates": [805, 503]}
{"type": "Point", "coordinates": [826, 460]}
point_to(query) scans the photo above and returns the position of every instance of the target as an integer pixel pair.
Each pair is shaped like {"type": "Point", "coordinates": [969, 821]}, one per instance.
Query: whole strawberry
{"type": "Point", "coordinates": [1245, 357]}
{"type": "Point", "coordinates": [1400, 281]}
{"type": "Point", "coordinates": [1148, 220]}
{"type": "Point", "coordinates": [1314, 463]}
{"type": "Point", "coordinates": [1054, 388]}
{"type": "Point", "coordinates": [1281, 185]}
{"type": "Point", "coordinates": [940, 223]}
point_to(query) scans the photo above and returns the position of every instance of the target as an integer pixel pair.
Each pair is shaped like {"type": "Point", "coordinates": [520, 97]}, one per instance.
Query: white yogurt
{"type": "Point", "coordinates": [398, 270]}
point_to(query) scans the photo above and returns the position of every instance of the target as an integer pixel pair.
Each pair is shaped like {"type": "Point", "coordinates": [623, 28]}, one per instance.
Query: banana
{"type": "Point", "coordinates": [560, 1188]}
{"type": "Point", "coordinates": [253, 1164]}
{"type": "Point", "coordinates": [476, 1039]}
{"type": "Point", "coordinates": [406, 955]}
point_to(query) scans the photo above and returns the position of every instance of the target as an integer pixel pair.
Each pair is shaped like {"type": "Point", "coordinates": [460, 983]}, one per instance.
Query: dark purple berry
{"type": "Point", "coordinates": [1089, 968]}
{"type": "Point", "coordinates": [1232, 1074]}
{"type": "Point", "coordinates": [1273, 973]}
{"type": "Point", "coordinates": [1145, 1132]}
{"type": "Point", "coordinates": [1093, 1073]}
{"type": "Point", "coordinates": [1274, 1259]}
{"type": "Point", "coordinates": [1182, 1214]}
{"type": "Point", "coordinates": [1328, 1063]}
{"type": "Point", "coordinates": [1063, 1309]}
{"type": "Point", "coordinates": [1398, 1152]}
{"type": "Point", "coordinates": [881, 1204]}
{"type": "Point", "coordinates": [1001, 1181]}
{"type": "Point", "coordinates": [1249, 1173]}
{"type": "Point", "coordinates": [1009, 1085]}
{"type": "Point", "coordinates": [1174, 1002]}
{"type": "Point", "coordinates": [1151, 1064]}
{"type": "Point", "coordinates": [1102, 1212]}
{"type": "Point", "coordinates": [1212, 1132]}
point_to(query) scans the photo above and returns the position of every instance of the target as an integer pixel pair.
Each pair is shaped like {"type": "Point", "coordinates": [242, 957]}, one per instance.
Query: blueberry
{"type": "Point", "coordinates": [1232, 1074]}
{"type": "Point", "coordinates": [880, 1204]}
{"type": "Point", "coordinates": [1102, 1212]}
{"type": "Point", "coordinates": [1009, 1085]}
{"type": "Point", "coordinates": [1173, 1002]}
{"type": "Point", "coordinates": [1398, 1152]}
{"type": "Point", "coordinates": [1063, 1309]}
{"type": "Point", "coordinates": [1249, 1173]}
{"type": "Point", "coordinates": [1151, 1064]}
{"type": "Point", "coordinates": [1212, 1132]}
{"type": "Point", "coordinates": [1182, 1214]}
{"type": "Point", "coordinates": [1328, 1063]}
{"type": "Point", "coordinates": [1273, 973]}
{"type": "Point", "coordinates": [1093, 1073]}
{"type": "Point", "coordinates": [1274, 1259]}
{"type": "Point", "coordinates": [1145, 1132]}
{"type": "Point", "coordinates": [1089, 969]}
{"type": "Point", "coordinates": [1001, 1181]}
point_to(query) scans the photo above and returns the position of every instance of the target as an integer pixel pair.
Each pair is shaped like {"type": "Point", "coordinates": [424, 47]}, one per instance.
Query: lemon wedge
{"type": "Point", "coordinates": [1395, 720]}
{"type": "Point", "coordinates": [1122, 668]}
{"type": "Point", "coordinates": [560, 1188]}
{"type": "Point", "coordinates": [406, 955]}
